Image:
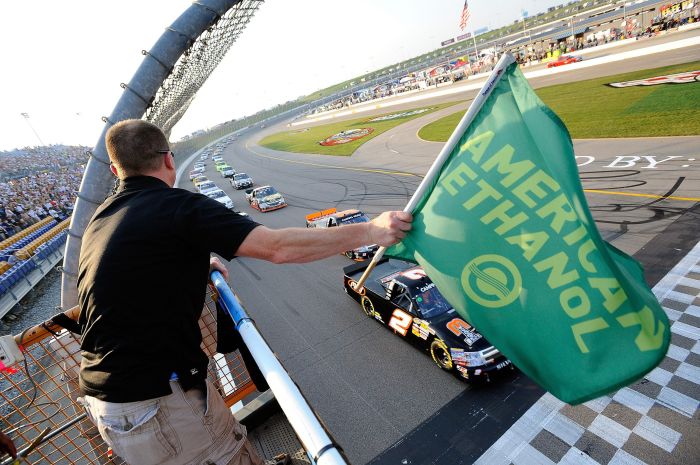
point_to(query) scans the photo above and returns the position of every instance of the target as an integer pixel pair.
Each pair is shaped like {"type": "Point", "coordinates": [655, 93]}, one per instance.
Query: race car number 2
{"type": "Point", "coordinates": [400, 321]}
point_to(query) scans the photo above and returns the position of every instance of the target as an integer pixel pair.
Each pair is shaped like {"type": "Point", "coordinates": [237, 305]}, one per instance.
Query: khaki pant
{"type": "Point", "coordinates": [183, 428]}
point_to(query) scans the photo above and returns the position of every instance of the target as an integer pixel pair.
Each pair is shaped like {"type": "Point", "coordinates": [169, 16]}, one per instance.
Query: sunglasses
{"type": "Point", "coordinates": [166, 151]}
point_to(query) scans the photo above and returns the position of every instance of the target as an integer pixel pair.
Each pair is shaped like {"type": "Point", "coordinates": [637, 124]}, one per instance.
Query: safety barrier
{"type": "Point", "coordinates": [38, 398]}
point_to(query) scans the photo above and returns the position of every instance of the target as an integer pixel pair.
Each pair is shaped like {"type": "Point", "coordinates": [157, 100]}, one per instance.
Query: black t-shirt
{"type": "Point", "coordinates": [142, 281]}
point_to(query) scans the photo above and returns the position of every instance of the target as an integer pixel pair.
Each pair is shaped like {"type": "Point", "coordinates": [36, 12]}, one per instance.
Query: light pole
{"type": "Point", "coordinates": [529, 34]}
{"type": "Point", "coordinates": [573, 39]}
{"type": "Point", "coordinates": [26, 118]}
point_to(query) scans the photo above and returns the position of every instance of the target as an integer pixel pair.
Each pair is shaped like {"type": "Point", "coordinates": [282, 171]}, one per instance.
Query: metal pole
{"type": "Point", "coordinates": [26, 118]}
{"type": "Point", "coordinates": [505, 61]}
{"type": "Point", "coordinates": [307, 426]}
{"type": "Point", "coordinates": [573, 39]}
{"type": "Point", "coordinates": [42, 439]}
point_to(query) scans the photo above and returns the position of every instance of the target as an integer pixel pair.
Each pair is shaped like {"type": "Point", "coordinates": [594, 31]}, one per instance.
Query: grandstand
{"type": "Point", "coordinates": [27, 256]}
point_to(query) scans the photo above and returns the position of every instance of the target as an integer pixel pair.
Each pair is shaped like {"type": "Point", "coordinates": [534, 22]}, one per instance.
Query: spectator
{"type": "Point", "coordinates": [36, 183]}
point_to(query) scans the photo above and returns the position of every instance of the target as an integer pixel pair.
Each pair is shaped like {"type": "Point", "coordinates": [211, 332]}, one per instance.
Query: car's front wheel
{"type": "Point", "coordinates": [441, 354]}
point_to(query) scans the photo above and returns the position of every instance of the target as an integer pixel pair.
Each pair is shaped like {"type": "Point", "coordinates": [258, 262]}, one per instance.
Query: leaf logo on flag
{"type": "Point", "coordinates": [505, 232]}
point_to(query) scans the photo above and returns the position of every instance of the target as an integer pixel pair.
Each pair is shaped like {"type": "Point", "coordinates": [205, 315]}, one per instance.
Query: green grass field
{"type": "Point", "coordinates": [591, 109]}
{"type": "Point", "coordinates": [307, 141]}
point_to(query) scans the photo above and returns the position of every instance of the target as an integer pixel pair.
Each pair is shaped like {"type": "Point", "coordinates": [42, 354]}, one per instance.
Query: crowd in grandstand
{"type": "Point", "coordinates": [454, 71]}
{"type": "Point", "coordinates": [36, 183]}
{"type": "Point", "coordinates": [533, 53]}
{"type": "Point", "coordinates": [633, 29]}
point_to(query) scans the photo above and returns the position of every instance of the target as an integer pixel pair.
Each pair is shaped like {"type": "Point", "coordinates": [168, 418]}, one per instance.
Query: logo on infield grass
{"type": "Point", "coordinates": [680, 78]}
{"type": "Point", "coordinates": [346, 136]}
{"type": "Point", "coordinates": [491, 280]}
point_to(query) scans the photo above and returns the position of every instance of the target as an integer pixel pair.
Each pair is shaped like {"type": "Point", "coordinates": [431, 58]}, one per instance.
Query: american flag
{"type": "Point", "coordinates": [465, 16]}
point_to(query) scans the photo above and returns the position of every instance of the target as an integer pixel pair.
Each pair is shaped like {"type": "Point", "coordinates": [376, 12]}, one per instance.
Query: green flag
{"type": "Point", "coordinates": [505, 232]}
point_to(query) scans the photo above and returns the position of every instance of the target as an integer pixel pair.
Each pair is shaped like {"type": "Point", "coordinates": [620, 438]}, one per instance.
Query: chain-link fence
{"type": "Point", "coordinates": [197, 63]}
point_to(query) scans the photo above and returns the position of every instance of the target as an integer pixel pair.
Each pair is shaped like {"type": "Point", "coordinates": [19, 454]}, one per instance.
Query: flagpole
{"type": "Point", "coordinates": [506, 60]}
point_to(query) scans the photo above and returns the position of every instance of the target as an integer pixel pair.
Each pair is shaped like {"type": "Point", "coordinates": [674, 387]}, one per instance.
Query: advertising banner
{"type": "Point", "coordinates": [674, 8]}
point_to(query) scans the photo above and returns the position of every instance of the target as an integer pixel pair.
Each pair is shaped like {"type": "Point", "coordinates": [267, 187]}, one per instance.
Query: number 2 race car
{"type": "Point", "coordinates": [330, 218]}
{"type": "Point", "coordinates": [401, 296]}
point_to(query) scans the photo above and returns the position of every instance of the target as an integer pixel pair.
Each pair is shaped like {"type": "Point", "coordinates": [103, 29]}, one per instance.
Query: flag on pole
{"type": "Point", "coordinates": [504, 231]}
{"type": "Point", "coordinates": [465, 16]}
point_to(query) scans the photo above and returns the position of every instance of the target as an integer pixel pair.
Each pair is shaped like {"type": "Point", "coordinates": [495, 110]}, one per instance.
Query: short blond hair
{"type": "Point", "coordinates": [136, 146]}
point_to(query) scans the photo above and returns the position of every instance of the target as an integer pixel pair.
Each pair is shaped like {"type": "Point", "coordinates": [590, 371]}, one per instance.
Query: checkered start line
{"type": "Point", "coordinates": [654, 421]}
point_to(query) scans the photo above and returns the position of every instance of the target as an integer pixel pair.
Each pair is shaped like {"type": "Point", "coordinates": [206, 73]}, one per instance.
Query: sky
{"type": "Point", "coordinates": [62, 62]}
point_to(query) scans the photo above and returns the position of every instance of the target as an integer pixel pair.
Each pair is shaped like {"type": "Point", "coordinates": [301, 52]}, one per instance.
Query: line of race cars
{"type": "Point", "coordinates": [398, 294]}
{"type": "Point", "coordinates": [263, 198]}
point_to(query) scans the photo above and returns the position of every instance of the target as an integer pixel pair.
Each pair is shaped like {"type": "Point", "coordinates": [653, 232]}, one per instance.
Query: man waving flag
{"type": "Point", "coordinates": [501, 225]}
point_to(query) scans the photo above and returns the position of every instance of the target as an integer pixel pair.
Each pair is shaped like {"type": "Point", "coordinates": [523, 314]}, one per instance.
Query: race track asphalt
{"type": "Point", "coordinates": [377, 395]}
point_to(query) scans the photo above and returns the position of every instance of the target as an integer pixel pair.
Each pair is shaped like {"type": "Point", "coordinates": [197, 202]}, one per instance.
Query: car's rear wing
{"type": "Point", "coordinates": [320, 214]}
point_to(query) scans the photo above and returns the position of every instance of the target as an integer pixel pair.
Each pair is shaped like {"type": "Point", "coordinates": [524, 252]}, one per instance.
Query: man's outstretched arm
{"type": "Point", "coordinates": [300, 245]}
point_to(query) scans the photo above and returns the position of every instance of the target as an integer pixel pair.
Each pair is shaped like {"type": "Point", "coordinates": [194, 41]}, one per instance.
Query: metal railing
{"type": "Point", "coordinates": [316, 440]}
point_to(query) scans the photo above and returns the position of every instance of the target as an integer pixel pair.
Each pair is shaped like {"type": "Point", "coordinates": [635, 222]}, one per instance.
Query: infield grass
{"type": "Point", "coordinates": [306, 140]}
{"type": "Point", "coordinates": [592, 109]}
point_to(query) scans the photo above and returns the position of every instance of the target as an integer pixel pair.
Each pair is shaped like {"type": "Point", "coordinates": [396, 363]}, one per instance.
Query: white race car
{"type": "Point", "coordinates": [221, 197]}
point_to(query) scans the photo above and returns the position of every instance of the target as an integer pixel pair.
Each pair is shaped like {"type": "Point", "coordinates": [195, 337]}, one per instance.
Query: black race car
{"type": "Point", "coordinates": [331, 217]}
{"type": "Point", "coordinates": [401, 296]}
